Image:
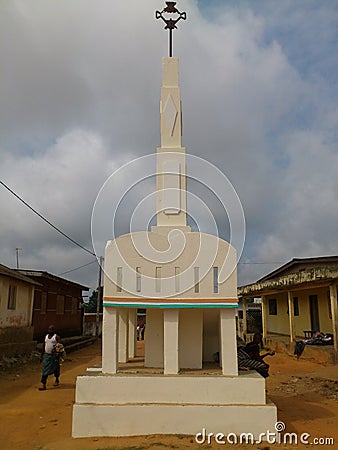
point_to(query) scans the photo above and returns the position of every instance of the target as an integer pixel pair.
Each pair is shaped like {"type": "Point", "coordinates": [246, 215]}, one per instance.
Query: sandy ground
{"type": "Point", "coordinates": [304, 392]}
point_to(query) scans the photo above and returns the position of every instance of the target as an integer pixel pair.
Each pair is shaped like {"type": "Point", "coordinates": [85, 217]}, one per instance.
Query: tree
{"type": "Point", "coordinates": [90, 307]}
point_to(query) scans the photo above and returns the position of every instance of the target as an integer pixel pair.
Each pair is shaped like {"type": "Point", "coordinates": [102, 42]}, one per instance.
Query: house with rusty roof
{"type": "Point", "coordinates": [16, 309]}
{"type": "Point", "coordinates": [298, 300]}
{"type": "Point", "coordinates": [57, 301]}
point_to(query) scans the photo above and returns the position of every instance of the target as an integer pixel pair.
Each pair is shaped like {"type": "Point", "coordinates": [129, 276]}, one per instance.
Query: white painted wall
{"type": "Point", "coordinates": [211, 335]}
{"type": "Point", "coordinates": [190, 338]}
{"type": "Point", "coordinates": [186, 250]}
{"type": "Point", "coordinates": [154, 339]}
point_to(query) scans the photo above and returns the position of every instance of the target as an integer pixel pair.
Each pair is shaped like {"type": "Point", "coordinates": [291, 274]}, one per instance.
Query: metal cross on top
{"type": "Point", "coordinates": [170, 21]}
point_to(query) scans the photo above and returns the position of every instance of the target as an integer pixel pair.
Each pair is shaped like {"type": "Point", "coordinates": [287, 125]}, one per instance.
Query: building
{"type": "Point", "coordinates": [298, 299]}
{"type": "Point", "coordinates": [249, 317]}
{"type": "Point", "coordinates": [189, 291]}
{"type": "Point", "coordinates": [16, 309]}
{"type": "Point", "coordinates": [57, 301]}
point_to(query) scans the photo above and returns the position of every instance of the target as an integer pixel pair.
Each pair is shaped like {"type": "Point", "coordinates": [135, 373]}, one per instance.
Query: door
{"type": "Point", "coordinates": [314, 316]}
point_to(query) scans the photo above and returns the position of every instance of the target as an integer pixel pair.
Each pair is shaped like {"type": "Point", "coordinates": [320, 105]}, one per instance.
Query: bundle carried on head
{"type": "Point", "coordinates": [60, 351]}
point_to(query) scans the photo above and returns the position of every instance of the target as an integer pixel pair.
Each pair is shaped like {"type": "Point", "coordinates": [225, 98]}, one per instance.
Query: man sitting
{"type": "Point", "coordinates": [249, 357]}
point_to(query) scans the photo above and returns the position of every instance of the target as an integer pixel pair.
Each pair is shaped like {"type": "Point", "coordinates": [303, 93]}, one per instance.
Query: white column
{"type": "Point", "coordinates": [264, 313]}
{"type": "Point", "coordinates": [154, 342]}
{"type": "Point", "coordinates": [334, 312]}
{"type": "Point", "coordinates": [171, 320]}
{"type": "Point", "coordinates": [228, 341]}
{"type": "Point", "coordinates": [123, 335]}
{"type": "Point", "coordinates": [291, 318]}
{"type": "Point", "coordinates": [110, 340]}
{"type": "Point", "coordinates": [132, 332]}
{"type": "Point", "coordinates": [245, 323]}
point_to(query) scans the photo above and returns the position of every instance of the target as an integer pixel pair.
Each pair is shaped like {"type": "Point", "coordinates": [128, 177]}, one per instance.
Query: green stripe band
{"type": "Point", "coordinates": [172, 305]}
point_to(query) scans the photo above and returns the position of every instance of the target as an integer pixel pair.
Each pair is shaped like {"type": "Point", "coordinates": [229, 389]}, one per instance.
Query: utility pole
{"type": "Point", "coordinates": [17, 256]}
{"type": "Point", "coordinates": [98, 301]}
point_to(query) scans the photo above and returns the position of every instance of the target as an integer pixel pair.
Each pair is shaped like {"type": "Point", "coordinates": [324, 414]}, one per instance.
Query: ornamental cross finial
{"type": "Point", "coordinates": [170, 21]}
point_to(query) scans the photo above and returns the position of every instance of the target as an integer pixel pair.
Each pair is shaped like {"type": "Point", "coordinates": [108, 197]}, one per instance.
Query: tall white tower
{"type": "Point", "coordinates": [191, 312]}
{"type": "Point", "coordinates": [171, 164]}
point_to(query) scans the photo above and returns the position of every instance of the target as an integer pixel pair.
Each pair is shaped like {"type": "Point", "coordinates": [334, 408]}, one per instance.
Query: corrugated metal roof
{"type": "Point", "coordinates": [7, 272]}
{"type": "Point", "coordinates": [295, 261]}
{"type": "Point", "coordinates": [43, 274]}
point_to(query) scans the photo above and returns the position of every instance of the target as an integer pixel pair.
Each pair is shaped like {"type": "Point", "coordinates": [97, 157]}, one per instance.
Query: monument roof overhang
{"type": "Point", "coordinates": [170, 303]}
{"type": "Point", "coordinates": [166, 230]}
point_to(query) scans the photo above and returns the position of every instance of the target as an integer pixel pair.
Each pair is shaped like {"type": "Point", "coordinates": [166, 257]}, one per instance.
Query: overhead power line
{"type": "Point", "coordinates": [46, 220]}
{"type": "Point", "coordinates": [259, 262]}
{"type": "Point", "coordinates": [77, 268]}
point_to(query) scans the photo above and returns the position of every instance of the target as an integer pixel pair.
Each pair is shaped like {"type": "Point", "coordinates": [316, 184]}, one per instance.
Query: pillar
{"type": "Point", "coordinates": [245, 323]}
{"type": "Point", "coordinates": [334, 312]}
{"type": "Point", "coordinates": [123, 335]}
{"type": "Point", "coordinates": [31, 306]}
{"type": "Point", "coordinates": [291, 317]}
{"type": "Point", "coordinates": [110, 331]}
{"type": "Point", "coordinates": [154, 343]}
{"type": "Point", "coordinates": [264, 324]}
{"type": "Point", "coordinates": [170, 342]}
{"type": "Point", "coordinates": [132, 322]}
{"type": "Point", "coordinates": [228, 341]}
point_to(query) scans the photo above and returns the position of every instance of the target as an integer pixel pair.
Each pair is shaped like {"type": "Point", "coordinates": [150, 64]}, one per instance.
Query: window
{"type": "Point", "coordinates": [177, 279]}
{"type": "Point", "coordinates": [272, 307]}
{"type": "Point", "coordinates": [295, 306]}
{"type": "Point", "coordinates": [158, 279]}
{"type": "Point", "coordinates": [138, 279]}
{"type": "Point", "coordinates": [60, 304]}
{"type": "Point", "coordinates": [215, 271]}
{"type": "Point", "coordinates": [43, 307]}
{"type": "Point", "coordinates": [11, 303]}
{"type": "Point", "coordinates": [74, 306]}
{"type": "Point", "coordinates": [119, 279]}
{"type": "Point", "coordinates": [197, 279]}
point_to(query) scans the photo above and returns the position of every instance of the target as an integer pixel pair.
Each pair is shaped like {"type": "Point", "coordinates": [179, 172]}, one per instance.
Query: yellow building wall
{"type": "Point", "coordinates": [280, 323]}
{"type": "Point", "coordinates": [302, 322]}
{"type": "Point", "coordinates": [20, 316]}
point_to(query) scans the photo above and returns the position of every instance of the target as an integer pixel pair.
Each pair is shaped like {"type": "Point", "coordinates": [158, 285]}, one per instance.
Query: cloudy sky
{"type": "Point", "coordinates": [79, 97]}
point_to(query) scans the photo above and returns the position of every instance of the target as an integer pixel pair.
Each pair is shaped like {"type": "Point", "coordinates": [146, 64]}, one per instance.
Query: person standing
{"type": "Point", "coordinates": [49, 358]}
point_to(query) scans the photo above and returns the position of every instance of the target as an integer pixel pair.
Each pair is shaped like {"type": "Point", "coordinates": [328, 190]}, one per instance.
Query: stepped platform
{"type": "Point", "coordinates": [143, 401]}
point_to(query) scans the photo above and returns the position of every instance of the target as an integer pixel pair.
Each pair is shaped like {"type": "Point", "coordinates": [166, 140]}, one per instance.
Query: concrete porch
{"type": "Point", "coordinates": [324, 354]}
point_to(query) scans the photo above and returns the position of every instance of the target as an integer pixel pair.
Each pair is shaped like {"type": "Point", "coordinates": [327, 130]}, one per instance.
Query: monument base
{"type": "Point", "coordinates": [131, 405]}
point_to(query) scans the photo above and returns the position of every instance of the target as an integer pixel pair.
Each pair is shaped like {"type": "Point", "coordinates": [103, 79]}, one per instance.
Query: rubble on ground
{"type": "Point", "coordinates": [299, 385]}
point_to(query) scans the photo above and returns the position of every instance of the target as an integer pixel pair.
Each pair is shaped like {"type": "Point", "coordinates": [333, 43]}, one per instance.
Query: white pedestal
{"type": "Point", "coordinates": [130, 405]}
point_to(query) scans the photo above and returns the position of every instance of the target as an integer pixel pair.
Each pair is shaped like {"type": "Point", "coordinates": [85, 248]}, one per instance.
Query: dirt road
{"type": "Point", "coordinates": [305, 394]}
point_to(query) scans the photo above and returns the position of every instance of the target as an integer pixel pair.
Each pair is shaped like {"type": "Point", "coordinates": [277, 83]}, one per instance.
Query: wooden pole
{"type": "Point", "coordinates": [98, 301]}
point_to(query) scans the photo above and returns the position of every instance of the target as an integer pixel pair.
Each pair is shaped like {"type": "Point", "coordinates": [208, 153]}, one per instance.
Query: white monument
{"type": "Point", "coordinates": [189, 290]}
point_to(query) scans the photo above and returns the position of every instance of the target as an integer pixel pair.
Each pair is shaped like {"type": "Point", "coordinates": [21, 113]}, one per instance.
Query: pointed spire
{"type": "Point", "coordinates": [171, 177]}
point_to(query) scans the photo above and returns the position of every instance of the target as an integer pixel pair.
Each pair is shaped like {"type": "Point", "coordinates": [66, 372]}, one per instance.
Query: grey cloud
{"type": "Point", "coordinates": [80, 96]}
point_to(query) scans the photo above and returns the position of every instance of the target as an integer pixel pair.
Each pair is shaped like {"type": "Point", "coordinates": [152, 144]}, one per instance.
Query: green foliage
{"type": "Point", "coordinates": [90, 307]}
